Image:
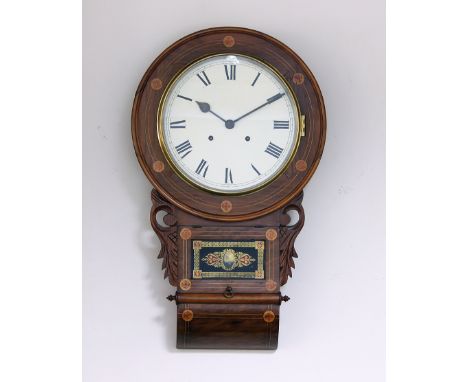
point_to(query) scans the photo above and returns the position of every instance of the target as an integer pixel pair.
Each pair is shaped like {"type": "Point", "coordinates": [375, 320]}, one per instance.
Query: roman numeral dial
{"type": "Point", "coordinates": [274, 150]}
{"type": "Point", "coordinates": [228, 124]}
{"type": "Point", "coordinates": [204, 78]}
{"type": "Point", "coordinates": [256, 78]}
{"type": "Point", "coordinates": [178, 124]}
{"type": "Point", "coordinates": [228, 176]}
{"type": "Point", "coordinates": [184, 148]}
{"type": "Point", "coordinates": [281, 124]}
{"type": "Point", "coordinates": [202, 168]}
{"type": "Point", "coordinates": [230, 72]}
{"type": "Point", "coordinates": [255, 169]}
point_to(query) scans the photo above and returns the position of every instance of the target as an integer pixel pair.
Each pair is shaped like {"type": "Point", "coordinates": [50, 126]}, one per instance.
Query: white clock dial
{"type": "Point", "coordinates": [229, 124]}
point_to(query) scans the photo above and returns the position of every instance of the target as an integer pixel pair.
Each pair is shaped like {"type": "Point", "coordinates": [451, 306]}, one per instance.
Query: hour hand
{"type": "Point", "coordinates": [205, 108]}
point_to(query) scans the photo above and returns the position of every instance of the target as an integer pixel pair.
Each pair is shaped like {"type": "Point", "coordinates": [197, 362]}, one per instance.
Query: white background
{"type": "Point", "coordinates": [40, 204]}
{"type": "Point", "coordinates": [333, 329]}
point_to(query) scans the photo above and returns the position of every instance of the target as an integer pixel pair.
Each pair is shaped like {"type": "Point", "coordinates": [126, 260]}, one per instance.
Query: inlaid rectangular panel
{"type": "Point", "coordinates": [214, 259]}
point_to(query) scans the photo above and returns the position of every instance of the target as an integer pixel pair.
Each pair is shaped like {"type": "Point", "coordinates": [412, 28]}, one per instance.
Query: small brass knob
{"type": "Point", "coordinates": [228, 293]}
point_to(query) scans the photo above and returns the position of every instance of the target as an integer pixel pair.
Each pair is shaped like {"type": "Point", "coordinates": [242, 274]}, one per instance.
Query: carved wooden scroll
{"type": "Point", "coordinates": [167, 235]}
{"type": "Point", "coordinates": [288, 234]}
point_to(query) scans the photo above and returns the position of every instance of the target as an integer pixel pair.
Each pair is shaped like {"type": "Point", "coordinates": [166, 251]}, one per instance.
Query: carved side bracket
{"type": "Point", "coordinates": [288, 234]}
{"type": "Point", "coordinates": [167, 235]}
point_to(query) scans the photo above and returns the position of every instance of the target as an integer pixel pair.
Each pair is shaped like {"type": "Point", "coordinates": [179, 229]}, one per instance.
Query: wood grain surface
{"type": "Point", "coordinates": [227, 313]}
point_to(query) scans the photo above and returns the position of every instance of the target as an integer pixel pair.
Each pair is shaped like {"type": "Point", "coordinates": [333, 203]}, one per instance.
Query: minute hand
{"type": "Point", "coordinates": [269, 100]}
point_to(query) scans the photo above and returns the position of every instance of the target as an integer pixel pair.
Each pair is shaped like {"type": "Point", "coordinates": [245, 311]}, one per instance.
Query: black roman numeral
{"type": "Point", "coordinates": [281, 124]}
{"type": "Point", "coordinates": [184, 147]}
{"type": "Point", "coordinates": [274, 150]}
{"type": "Point", "coordinates": [228, 176]}
{"type": "Point", "coordinates": [204, 78]}
{"type": "Point", "coordinates": [178, 124]}
{"type": "Point", "coordinates": [231, 72]}
{"type": "Point", "coordinates": [201, 166]}
{"type": "Point", "coordinates": [186, 98]}
{"type": "Point", "coordinates": [255, 80]}
{"type": "Point", "coordinates": [258, 172]}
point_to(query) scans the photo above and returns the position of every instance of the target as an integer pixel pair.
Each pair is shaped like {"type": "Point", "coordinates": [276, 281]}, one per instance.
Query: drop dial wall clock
{"type": "Point", "coordinates": [228, 125]}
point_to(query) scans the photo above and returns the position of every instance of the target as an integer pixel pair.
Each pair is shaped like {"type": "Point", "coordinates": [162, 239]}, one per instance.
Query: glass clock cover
{"type": "Point", "coordinates": [229, 124]}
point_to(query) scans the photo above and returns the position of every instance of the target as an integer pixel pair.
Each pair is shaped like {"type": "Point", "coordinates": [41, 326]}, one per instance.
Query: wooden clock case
{"type": "Point", "coordinates": [227, 313]}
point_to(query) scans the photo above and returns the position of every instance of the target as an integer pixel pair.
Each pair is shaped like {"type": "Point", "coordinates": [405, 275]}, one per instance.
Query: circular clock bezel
{"type": "Point", "coordinates": [175, 167]}
{"type": "Point", "coordinates": [222, 206]}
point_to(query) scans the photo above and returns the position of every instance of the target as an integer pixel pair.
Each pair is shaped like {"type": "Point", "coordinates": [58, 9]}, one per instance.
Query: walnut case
{"type": "Point", "coordinates": [222, 309]}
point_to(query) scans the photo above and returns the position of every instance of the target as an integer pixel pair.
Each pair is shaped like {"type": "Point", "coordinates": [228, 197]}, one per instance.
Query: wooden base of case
{"type": "Point", "coordinates": [227, 326]}
{"type": "Point", "coordinates": [227, 312]}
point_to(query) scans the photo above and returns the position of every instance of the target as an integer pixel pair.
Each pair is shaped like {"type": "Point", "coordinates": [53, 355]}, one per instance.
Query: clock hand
{"type": "Point", "coordinates": [205, 108]}
{"type": "Point", "coordinates": [269, 100]}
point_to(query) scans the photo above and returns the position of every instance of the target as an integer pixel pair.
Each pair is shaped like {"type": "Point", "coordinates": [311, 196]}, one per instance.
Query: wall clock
{"type": "Point", "coordinates": [228, 125]}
